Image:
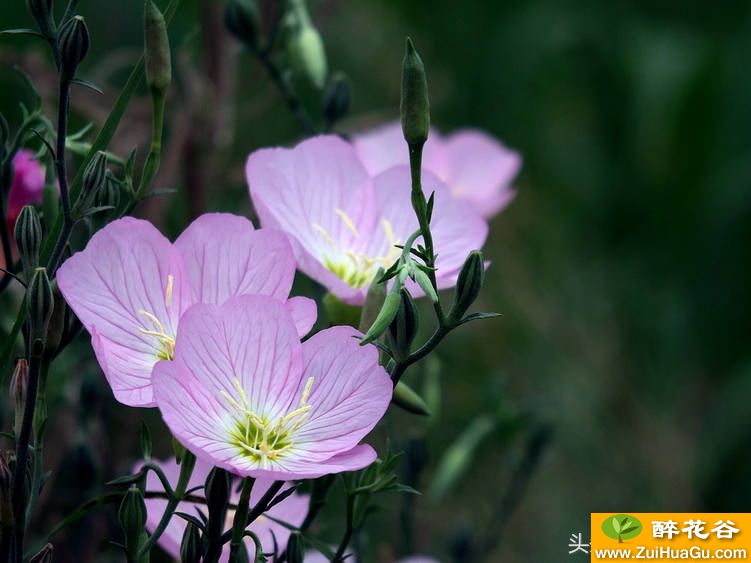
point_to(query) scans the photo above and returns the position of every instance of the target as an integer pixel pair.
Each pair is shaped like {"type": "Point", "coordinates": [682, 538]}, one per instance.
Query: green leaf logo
{"type": "Point", "coordinates": [621, 527]}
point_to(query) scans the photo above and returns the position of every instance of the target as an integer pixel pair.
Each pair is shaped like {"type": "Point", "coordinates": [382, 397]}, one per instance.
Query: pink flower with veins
{"type": "Point", "coordinates": [131, 286]}
{"type": "Point", "coordinates": [345, 224]}
{"type": "Point", "coordinates": [244, 394]}
{"type": "Point", "coordinates": [291, 511]}
{"type": "Point", "coordinates": [476, 167]}
{"type": "Point", "coordinates": [28, 184]}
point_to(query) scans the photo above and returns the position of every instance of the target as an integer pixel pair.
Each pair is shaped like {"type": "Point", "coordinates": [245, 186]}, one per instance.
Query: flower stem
{"type": "Point", "coordinates": [288, 93]}
{"type": "Point", "coordinates": [186, 470]}
{"type": "Point", "coordinates": [339, 555]}
{"type": "Point", "coordinates": [241, 517]}
{"type": "Point", "coordinates": [260, 507]}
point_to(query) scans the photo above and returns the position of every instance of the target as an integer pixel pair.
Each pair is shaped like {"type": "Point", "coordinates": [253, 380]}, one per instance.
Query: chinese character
{"type": "Point", "coordinates": [662, 529]}
{"type": "Point", "coordinates": [725, 530]}
{"type": "Point", "coordinates": [695, 528]}
{"type": "Point", "coordinates": [577, 544]}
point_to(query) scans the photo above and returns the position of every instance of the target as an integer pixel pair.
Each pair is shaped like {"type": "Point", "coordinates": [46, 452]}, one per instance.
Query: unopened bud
{"type": "Point", "coordinates": [305, 48]}
{"type": "Point", "coordinates": [414, 105]}
{"type": "Point", "coordinates": [132, 517]}
{"type": "Point", "coordinates": [383, 320]}
{"type": "Point", "coordinates": [403, 328]}
{"type": "Point", "coordinates": [44, 555]}
{"type": "Point", "coordinates": [406, 398]}
{"type": "Point", "coordinates": [190, 547]}
{"type": "Point", "coordinates": [425, 284]}
{"type": "Point", "coordinates": [468, 285]}
{"type": "Point", "coordinates": [94, 177]}
{"type": "Point", "coordinates": [296, 548]}
{"type": "Point", "coordinates": [28, 235]}
{"type": "Point", "coordinates": [73, 44]}
{"type": "Point", "coordinates": [217, 490]}
{"type": "Point", "coordinates": [41, 11]}
{"type": "Point", "coordinates": [158, 62]}
{"type": "Point", "coordinates": [19, 385]}
{"type": "Point", "coordinates": [109, 194]}
{"type": "Point", "coordinates": [336, 100]}
{"type": "Point", "coordinates": [242, 19]}
{"type": "Point", "coordinates": [40, 304]}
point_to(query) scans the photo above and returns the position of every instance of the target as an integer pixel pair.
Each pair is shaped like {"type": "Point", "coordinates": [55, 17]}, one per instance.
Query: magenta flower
{"type": "Point", "coordinates": [131, 286]}
{"type": "Point", "coordinates": [28, 184]}
{"type": "Point", "coordinates": [244, 394]}
{"type": "Point", "coordinates": [475, 166]}
{"type": "Point", "coordinates": [291, 511]}
{"type": "Point", "coordinates": [343, 224]}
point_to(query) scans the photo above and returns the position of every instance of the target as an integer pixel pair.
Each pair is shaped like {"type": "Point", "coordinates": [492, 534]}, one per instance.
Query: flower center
{"type": "Point", "coordinates": [165, 343]}
{"type": "Point", "coordinates": [258, 437]}
{"type": "Point", "coordinates": [353, 267]}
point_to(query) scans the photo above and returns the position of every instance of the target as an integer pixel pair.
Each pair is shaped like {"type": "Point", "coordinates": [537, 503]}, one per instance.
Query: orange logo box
{"type": "Point", "coordinates": [656, 536]}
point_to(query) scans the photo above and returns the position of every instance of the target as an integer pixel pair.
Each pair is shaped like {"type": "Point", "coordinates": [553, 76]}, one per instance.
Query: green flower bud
{"type": "Point", "coordinates": [158, 63]}
{"type": "Point", "coordinates": [242, 19]}
{"type": "Point", "coordinates": [336, 99]}
{"type": "Point", "coordinates": [73, 44]}
{"type": "Point", "coordinates": [406, 398]}
{"type": "Point", "coordinates": [41, 11]}
{"type": "Point", "coordinates": [383, 320]}
{"type": "Point", "coordinates": [414, 105]}
{"type": "Point", "coordinates": [373, 302]}
{"type": "Point", "coordinates": [425, 284]}
{"type": "Point", "coordinates": [132, 517]}
{"type": "Point", "coordinates": [44, 555]}
{"type": "Point", "coordinates": [109, 194]}
{"type": "Point", "coordinates": [305, 49]}
{"type": "Point", "coordinates": [94, 177]}
{"type": "Point", "coordinates": [190, 546]}
{"type": "Point", "coordinates": [57, 324]}
{"type": "Point", "coordinates": [40, 303]}
{"type": "Point", "coordinates": [403, 328]}
{"type": "Point", "coordinates": [217, 489]}
{"type": "Point", "coordinates": [28, 235]}
{"type": "Point", "coordinates": [296, 548]}
{"type": "Point", "coordinates": [468, 285]}
{"type": "Point", "coordinates": [19, 384]}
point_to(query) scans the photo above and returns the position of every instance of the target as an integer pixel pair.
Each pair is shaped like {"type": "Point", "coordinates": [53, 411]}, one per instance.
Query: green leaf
{"type": "Point", "coordinates": [87, 84]}
{"type": "Point", "coordinates": [479, 317]}
{"type": "Point", "coordinates": [629, 530]}
{"type": "Point", "coordinates": [616, 525]}
{"type": "Point", "coordinates": [21, 31]}
{"type": "Point", "coordinates": [126, 479]}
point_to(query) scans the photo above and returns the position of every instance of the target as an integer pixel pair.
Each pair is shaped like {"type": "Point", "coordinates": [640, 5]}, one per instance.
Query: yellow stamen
{"type": "Point", "coordinates": [321, 231]}
{"type": "Point", "coordinates": [348, 222]}
{"type": "Point", "coordinates": [168, 291]}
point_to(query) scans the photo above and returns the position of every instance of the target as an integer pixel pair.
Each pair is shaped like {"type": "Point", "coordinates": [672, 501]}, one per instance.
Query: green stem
{"type": "Point", "coordinates": [260, 507]}
{"type": "Point", "coordinates": [186, 470]}
{"type": "Point", "coordinates": [288, 93]}
{"type": "Point", "coordinates": [400, 367]}
{"type": "Point", "coordinates": [241, 517]}
{"type": "Point", "coordinates": [151, 166]}
{"type": "Point", "coordinates": [339, 555]}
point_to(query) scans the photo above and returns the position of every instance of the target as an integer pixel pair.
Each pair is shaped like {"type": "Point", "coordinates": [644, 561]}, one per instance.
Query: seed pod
{"type": "Point", "coordinates": [158, 63]}
{"type": "Point", "coordinates": [406, 398]}
{"type": "Point", "coordinates": [296, 548]}
{"type": "Point", "coordinates": [383, 320]}
{"type": "Point", "coordinates": [242, 19]}
{"type": "Point", "coordinates": [41, 11]}
{"type": "Point", "coordinates": [40, 304]}
{"type": "Point", "coordinates": [132, 517]}
{"type": "Point", "coordinates": [336, 99]}
{"type": "Point", "coordinates": [414, 105]}
{"type": "Point", "coordinates": [403, 328]}
{"type": "Point", "coordinates": [73, 44]}
{"type": "Point", "coordinates": [28, 235]}
{"type": "Point", "coordinates": [19, 384]}
{"type": "Point", "coordinates": [468, 285]}
{"type": "Point", "coordinates": [44, 555]}
{"type": "Point", "coordinates": [190, 546]}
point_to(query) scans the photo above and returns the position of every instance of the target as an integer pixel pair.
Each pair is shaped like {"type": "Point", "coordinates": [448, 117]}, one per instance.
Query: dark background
{"type": "Point", "coordinates": [621, 268]}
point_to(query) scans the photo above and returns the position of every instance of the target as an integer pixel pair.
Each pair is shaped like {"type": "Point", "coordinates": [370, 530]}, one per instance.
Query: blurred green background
{"type": "Point", "coordinates": [621, 268]}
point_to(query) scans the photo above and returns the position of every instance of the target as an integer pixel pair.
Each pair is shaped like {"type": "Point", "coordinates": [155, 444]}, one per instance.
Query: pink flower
{"type": "Point", "coordinates": [343, 224]}
{"type": "Point", "coordinates": [476, 167]}
{"type": "Point", "coordinates": [292, 511]}
{"type": "Point", "coordinates": [314, 556]}
{"type": "Point", "coordinates": [27, 186]}
{"type": "Point", "coordinates": [244, 394]}
{"type": "Point", "coordinates": [131, 286]}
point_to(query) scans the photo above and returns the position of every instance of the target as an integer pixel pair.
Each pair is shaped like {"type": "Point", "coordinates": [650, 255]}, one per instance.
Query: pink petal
{"type": "Point", "coordinates": [304, 313]}
{"type": "Point", "coordinates": [225, 257]}
{"type": "Point", "coordinates": [28, 183]}
{"type": "Point", "coordinates": [350, 393]}
{"type": "Point", "coordinates": [480, 169]}
{"type": "Point", "coordinates": [304, 191]}
{"type": "Point", "coordinates": [114, 284]}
